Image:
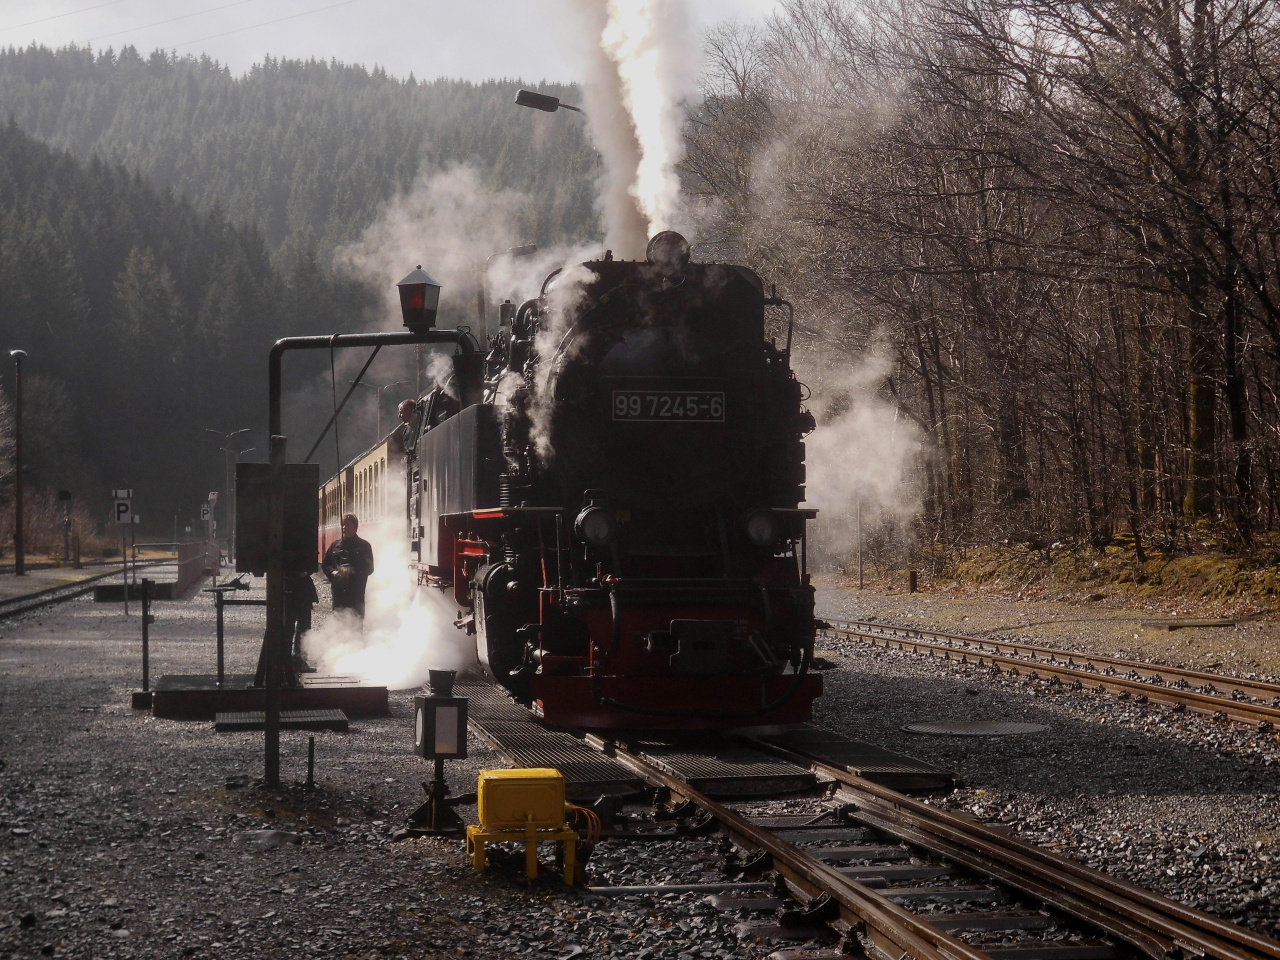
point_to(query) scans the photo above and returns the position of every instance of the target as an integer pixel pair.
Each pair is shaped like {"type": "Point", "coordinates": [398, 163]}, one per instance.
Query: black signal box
{"type": "Point", "coordinates": [301, 517]}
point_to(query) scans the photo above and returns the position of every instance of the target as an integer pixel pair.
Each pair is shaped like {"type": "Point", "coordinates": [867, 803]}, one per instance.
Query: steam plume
{"type": "Point", "coordinates": [642, 61]}
{"type": "Point", "coordinates": [862, 452]}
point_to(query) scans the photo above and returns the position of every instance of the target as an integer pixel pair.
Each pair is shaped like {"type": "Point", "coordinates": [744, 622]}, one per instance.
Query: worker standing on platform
{"type": "Point", "coordinates": [348, 563]}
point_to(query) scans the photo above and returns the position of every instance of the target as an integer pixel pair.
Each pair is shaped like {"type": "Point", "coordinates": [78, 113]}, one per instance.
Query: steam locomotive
{"type": "Point", "coordinates": [611, 495]}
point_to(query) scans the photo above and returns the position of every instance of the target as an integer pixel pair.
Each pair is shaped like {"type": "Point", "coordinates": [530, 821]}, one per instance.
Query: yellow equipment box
{"type": "Point", "coordinates": [519, 799]}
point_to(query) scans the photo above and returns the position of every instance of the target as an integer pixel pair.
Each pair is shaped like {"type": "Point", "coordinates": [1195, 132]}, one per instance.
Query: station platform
{"type": "Point", "coordinates": [45, 579]}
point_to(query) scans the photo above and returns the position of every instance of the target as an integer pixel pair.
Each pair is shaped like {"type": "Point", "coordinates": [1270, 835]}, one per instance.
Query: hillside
{"type": "Point", "coordinates": [146, 321]}
{"type": "Point", "coordinates": [305, 151]}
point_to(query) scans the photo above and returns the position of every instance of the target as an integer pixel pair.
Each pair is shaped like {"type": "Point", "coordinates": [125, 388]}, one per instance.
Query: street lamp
{"type": "Point", "coordinates": [549, 104]}
{"type": "Point", "coordinates": [543, 101]}
{"type": "Point", "coordinates": [230, 451]}
{"type": "Point", "coordinates": [19, 551]}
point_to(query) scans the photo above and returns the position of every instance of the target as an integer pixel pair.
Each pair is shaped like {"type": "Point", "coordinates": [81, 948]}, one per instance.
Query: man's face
{"type": "Point", "coordinates": [349, 528]}
{"type": "Point", "coordinates": [406, 412]}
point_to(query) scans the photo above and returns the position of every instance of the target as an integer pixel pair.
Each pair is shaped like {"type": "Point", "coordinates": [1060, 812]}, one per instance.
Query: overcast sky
{"type": "Point", "coordinates": [472, 39]}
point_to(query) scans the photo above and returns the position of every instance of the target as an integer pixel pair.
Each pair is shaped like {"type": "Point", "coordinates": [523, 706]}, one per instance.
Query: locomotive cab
{"type": "Point", "coordinates": [619, 516]}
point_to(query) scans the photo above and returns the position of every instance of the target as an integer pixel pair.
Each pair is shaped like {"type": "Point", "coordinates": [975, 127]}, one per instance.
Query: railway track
{"type": "Point", "coordinates": [43, 598]}
{"type": "Point", "coordinates": [1251, 702]}
{"type": "Point", "coordinates": [877, 873]}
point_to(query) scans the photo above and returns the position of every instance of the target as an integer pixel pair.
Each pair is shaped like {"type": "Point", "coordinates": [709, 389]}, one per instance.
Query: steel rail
{"type": "Point", "coordinates": [1208, 704]}
{"type": "Point", "coordinates": [1259, 689]}
{"type": "Point", "coordinates": [15, 606]}
{"type": "Point", "coordinates": [1157, 925]}
{"type": "Point", "coordinates": [895, 932]}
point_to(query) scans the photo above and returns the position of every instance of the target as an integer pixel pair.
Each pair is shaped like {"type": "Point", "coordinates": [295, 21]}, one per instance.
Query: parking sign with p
{"type": "Point", "coordinates": [124, 511]}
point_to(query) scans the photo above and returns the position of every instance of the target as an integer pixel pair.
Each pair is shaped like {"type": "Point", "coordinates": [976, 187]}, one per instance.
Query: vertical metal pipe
{"type": "Point", "coordinates": [275, 614]}
{"type": "Point", "coordinates": [146, 634]}
{"type": "Point", "coordinates": [217, 602]}
{"type": "Point", "coordinates": [19, 547]}
{"type": "Point", "coordinates": [437, 796]}
{"type": "Point", "coordinates": [124, 567]}
{"type": "Point", "coordinates": [311, 763]}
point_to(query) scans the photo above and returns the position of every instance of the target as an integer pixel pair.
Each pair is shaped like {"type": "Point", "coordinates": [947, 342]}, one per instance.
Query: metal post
{"type": "Point", "coordinates": [19, 547]}
{"type": "Point", "coordinates": [146, 636]}
{"type": "Point", "coordinates": [275, 613]}
{"type": "Point", "coordinates": [437, 796]}
{"type": "Point", "coordinates": [124, 567]}
{"type": "Point", "coordinates": [311, 763]}
{"type": "Point", "coordinates": [217, 602]}
{"type": "Point", "coordinates": [859, 543]}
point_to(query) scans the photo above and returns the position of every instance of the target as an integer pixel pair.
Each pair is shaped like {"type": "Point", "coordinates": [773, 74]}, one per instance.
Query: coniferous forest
{"type": "Point", "coordinates": [162, 223]}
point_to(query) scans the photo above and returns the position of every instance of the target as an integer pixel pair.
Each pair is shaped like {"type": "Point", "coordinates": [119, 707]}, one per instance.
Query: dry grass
{"type": "Point", "coordinates": [1214, 582]}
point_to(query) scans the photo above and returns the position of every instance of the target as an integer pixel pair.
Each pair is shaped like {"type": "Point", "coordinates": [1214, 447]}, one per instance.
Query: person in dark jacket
{"type": "Point", "coordinates": [299, 595]}
{"type": "Point", "coordinates": [348, 563]}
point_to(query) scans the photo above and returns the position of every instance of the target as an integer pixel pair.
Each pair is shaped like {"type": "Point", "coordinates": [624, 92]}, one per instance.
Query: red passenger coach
{"type": "Point", "coordinates": [372, 487]}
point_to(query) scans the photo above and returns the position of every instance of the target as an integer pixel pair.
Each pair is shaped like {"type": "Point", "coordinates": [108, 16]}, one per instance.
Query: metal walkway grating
{"type": "Point", "coordinates": [729, 769]}
{"type": "Point", "coordinates": [525, 742]}
{"type": "Point", "coordinates": [889, 769]}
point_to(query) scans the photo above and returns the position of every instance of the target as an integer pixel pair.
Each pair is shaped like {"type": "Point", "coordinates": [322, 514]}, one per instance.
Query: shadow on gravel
{"type": "Point", "coordinates": [1088, 749]}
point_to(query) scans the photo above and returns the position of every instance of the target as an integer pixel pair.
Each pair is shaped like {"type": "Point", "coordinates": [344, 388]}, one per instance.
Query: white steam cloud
{"type": "Point", "coordinates": [642, 62]}
{"type": "Point", "coordinates": [862, 452]}
{"type": "Point", "coordinates": [407, 629]}
{"type": "Point", "coordinates": [452, 222]}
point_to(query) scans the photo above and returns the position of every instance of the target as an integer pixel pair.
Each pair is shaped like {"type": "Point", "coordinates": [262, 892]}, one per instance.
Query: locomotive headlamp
{"type": "Point", "coordinates": [419, 298]}
{"type": "Point", "coordinates": [762, 528]}
{"type": "Point", "coordinates": [596, 526]}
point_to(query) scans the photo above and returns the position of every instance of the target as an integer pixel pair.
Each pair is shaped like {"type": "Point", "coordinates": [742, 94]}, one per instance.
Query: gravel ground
{"type": "Point", "coordinates": [126, 836]}
{"type": "Point", "coordinates": [1173, 802]}
{"type": "Point", "coordinates": [122, 835]}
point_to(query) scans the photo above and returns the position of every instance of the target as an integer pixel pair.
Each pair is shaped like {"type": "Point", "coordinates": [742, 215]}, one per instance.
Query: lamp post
{"type": "Point", "coordinates": [19, 550]}
{"type": "Point", "coordinates": [543, 101]}
{"type": "Point", "coordinates": [229, 450]}
{"type": "Point", "coordinates": [549, 104]}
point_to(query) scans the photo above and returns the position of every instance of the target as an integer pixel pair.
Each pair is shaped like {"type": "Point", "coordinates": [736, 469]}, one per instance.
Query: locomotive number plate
{"type": "Point", "coordinates": [695, 406]}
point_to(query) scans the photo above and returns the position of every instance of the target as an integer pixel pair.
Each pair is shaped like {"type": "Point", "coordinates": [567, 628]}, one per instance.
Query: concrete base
{"type": "Point", "coordinates": [114, 592]}
{"type": "Point", "coordinates": [198, 696]}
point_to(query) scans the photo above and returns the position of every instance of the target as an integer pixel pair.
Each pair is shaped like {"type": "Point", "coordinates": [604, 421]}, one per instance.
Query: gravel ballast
{"type": "Point", "coordinates": [122, 835]}
{"type": "Point", "coordinates": [1173, 802]}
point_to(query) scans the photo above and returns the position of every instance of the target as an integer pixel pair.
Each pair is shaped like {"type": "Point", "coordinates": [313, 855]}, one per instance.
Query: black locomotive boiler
{"type": "Point", "coordinates": [612, 497]}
